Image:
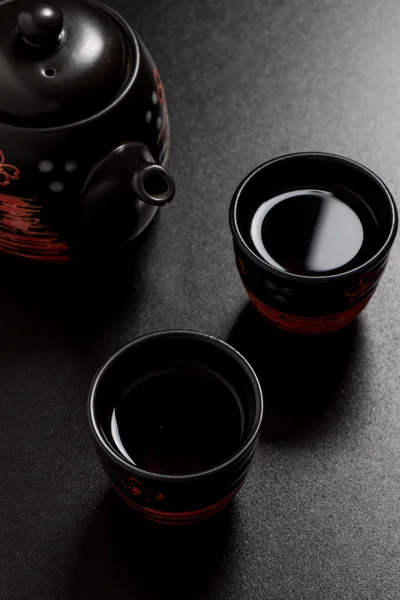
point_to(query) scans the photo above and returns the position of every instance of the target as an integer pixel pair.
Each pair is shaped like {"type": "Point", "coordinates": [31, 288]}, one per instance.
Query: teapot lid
{"type": "Point", "coordinates": [59, 63]}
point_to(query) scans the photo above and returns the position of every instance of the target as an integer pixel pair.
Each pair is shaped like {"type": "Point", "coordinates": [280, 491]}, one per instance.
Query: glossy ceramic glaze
{"type": "Point", "coordinates": [175, 499]}
{"type": "Point", "coordinates": [300, 303]}
{"type": "Point", "coordinates": [69, 179]}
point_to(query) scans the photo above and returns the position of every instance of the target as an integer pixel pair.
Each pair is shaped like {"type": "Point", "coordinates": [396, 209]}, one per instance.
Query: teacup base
{"type": "Point", "coordinates": [308, 325]}
{"type": "Point", "coordinates": [179, 518]}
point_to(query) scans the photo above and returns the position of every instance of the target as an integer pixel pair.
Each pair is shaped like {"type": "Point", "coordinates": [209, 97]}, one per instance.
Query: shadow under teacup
{"type": "Point", "coordinates": [176, 417]}
{"type": "Point", "coordinates": [312, 234]}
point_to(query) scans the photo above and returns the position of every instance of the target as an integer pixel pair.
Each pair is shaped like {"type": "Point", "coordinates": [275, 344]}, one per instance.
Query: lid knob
{"type": "Point", "coordinates": [62, 62]}
{"type": "Point", "coordinates": [42, 25]}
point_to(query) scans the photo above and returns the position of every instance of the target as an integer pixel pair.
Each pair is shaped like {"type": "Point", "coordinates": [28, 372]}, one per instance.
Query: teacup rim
{"type": "Point", "coordinates": [247, 443]}
{"type": "Point", "coordinates": [360, 269]}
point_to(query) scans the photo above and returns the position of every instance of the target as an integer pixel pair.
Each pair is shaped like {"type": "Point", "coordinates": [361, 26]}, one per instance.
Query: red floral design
{"type": "Point", "coordinates": [137, 488]}
{"type": "Point", "coordinates": [163, 136]}
{"type": "Point", "coordinates": [180, 518]}
{"type": "Point", "coordinates": [240, 266]}
{"type": "Point", "coordinates": [160, 88]}
{"type": "Point", "coordinates": [7, 172]}
{"type": "Point", "coordinates": [366, 282]}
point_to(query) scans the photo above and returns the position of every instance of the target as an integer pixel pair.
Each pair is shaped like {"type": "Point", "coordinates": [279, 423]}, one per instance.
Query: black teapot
{"type": "Point", "coordinates": [84, 130]}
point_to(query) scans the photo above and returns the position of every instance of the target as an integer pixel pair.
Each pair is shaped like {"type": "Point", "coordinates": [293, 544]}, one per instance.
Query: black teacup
{"type": "Point", "coordinates": [176, 418]}
{"type": "Point", "coordinates": [312, 234]}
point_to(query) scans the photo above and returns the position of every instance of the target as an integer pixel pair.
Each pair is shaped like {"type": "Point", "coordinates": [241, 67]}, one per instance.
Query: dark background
{"type": "Point", "coordinates": [319, 516]}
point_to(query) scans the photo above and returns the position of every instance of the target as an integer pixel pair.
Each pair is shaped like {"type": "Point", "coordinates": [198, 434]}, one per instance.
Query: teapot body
{"type": "Point", "coordinates": [44, 170]}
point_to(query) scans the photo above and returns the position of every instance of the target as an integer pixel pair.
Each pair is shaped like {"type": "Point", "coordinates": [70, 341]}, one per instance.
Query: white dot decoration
{"type": "Point", "coordinates": [148, 116]}
{"type": "Point", "coordinates": [159, 122]}
{"type": "Point", "coordinates": [270, 285]}
{"type": "Point", "coordinates": [56, 186]}
{"type": "Point", "coordinates": [286, 291]}
{"type": "Point", "coordinates": [71, 166]}
{"type": "Point", "coordinates": [280, 299]}
{"type": "Point", "coordinates": [154, 97]}
{"type": "Point", "coordinates": [45, 166]}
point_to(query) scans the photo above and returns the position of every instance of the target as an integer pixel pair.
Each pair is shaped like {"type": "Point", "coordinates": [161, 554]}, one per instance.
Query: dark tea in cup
{"type": "Point", "coordinates": [178, 419]}
{"type": "Point", "coordinates": [312, 234]}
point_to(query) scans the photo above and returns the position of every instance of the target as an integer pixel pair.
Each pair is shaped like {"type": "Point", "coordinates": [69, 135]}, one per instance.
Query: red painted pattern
{"type": "Point", "coordinates": [367, 282]}
{"type": "Point", "coordinates": [309, 325]}
{"type": "Point", "coordinates": [160, 88]}
{"type": "Point", "coordinates": [178, 518]}
{"type": "Point", "coordinates": [240, 265]}
{"type": "Point", "coordinates": [22, 233]}
{"type": "Point", "coordinates": [133, 486]}
{"type": "Point", "coordinates": [7, 172]}
{"type": "Point", "coordinates": [163, 139]}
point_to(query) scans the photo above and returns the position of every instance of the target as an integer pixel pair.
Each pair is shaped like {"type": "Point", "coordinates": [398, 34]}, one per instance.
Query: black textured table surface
{"type": "Point", "coordinates": [319, 516]}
